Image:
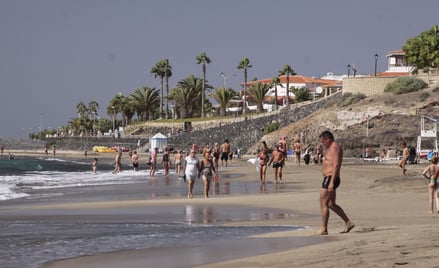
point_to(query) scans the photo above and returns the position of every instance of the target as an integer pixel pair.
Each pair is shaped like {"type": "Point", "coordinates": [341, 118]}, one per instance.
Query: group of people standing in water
{"type": "Point", "coordinates": [188, 166]}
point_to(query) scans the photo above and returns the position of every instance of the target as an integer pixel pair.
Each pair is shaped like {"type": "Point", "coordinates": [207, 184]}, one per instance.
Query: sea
{"type": "Point", "coordinates": [31, 240]}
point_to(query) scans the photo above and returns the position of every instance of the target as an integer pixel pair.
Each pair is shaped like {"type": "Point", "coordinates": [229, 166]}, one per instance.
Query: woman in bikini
{"type": "Point", "coordinates": [428, 173]}
{"type": "Point", "coordinates": [207, 168]}
{"type": "Point", "coordinates": [263, 161]}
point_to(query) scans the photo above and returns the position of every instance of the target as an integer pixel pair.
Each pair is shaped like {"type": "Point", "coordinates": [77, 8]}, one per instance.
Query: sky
{"type": "Point", "coordinates": [56, 53]}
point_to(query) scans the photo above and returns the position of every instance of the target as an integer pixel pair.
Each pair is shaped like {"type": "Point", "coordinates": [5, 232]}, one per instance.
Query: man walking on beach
{"type": "Point", "coordinates": [331, 180]}
{"type": "Point", "coordinates": [405, 157]}
{"type": "Point", "coordinates": [225, 151]}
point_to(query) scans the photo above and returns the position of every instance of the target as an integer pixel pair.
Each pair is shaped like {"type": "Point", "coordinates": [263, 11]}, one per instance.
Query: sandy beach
{"type": "Point", "coordinates": [393, 226]}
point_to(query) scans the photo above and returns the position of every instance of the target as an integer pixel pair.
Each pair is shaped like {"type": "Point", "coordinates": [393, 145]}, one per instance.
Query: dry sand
{"type": "Point", "coordinates": [393, 226]}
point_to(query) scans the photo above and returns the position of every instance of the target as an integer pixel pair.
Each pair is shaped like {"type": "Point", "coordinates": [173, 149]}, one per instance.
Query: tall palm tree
{"type": "Point", "coordinates": [203, 59]}
{"type": "Point", "coordinates": [257, 92]}
{"type": "Point", "coordinates": [287, 70]}
{"type": "Point", "coordinates": [163, 70]}
{"type": "Point", "coordinates": [115, 107]}
{"type": "Point", "coordinates": [244, 64]}
{"type": "Point", "coordinates": [223, 96]}
{"type": "Point", "coordinates": [145, 100]}
{"type": "Point", "coordinates": [81, 109]}
{"type": "Point", "coordinates": [168, 73]}
{"type": "Point", "coordinates": [92, 109]}
{"type": "Point", "coordinates": [275, 81]}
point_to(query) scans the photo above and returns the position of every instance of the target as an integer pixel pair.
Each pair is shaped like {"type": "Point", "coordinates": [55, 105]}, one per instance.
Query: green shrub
{"type": "Point", "coordinates": [349, 98]}
{"type": "Point", "coordinates": [272, 127]}
{"type": "Point", "coordinates": [424, 96]}
{"type": "Point", "coordinates": [404, 85]}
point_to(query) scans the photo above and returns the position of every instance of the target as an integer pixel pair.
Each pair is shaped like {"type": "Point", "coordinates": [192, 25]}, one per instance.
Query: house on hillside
{"type": "Point", "coordinates": [316, 86]}
{"type": "Point", "coordinates": [397, 64]}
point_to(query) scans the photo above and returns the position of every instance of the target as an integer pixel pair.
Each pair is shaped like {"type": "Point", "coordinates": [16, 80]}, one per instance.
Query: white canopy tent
{"type": "Point", "coordinates": [158, 140]}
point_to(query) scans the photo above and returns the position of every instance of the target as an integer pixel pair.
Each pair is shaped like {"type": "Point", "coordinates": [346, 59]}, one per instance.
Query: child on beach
{"type": "Point", "coordinates": [429, 173]}
{"type": "Point", "coordinates": [177, 162]}
{"type": "Point", "coordinates": [153, 161]}
{"type": "Point", "coordinates": [94, 165]}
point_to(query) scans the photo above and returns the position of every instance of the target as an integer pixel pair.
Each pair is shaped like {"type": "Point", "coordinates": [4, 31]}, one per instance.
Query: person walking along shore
{"type": "Point", "coordinates": [331, 180]}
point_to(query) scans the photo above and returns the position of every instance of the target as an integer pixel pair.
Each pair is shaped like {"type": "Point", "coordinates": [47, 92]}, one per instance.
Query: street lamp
{"type": "Point", "coordinates": [114, 108]}
{"type": "Point", "coordinates": [225, 78]}
{"type": "Point", "coordinates": [349, 69]}
{"type": "Point", "coordinates": [376, 59]}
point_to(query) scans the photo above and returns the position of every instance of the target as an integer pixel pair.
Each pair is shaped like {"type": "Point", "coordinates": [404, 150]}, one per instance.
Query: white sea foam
{"type": "Point", "coordinates": [6, 192]}
{"type": "Point", "coordinates": [15, 186]}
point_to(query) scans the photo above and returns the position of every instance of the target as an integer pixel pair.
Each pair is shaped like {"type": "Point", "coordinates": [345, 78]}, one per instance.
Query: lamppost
{"type": "Point", "coordinates": [225, 78]}
{"type": "Point", "coordinates": [114, 108]}
{"type": "Point", "coordinates": [376, 59]}
{"type": "Point", "coordinates": [349, 69]}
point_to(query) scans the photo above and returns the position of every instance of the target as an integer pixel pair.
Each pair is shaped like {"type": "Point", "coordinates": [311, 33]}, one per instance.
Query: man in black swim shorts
{"type": "Point", "coordinates": [327, 181]}
{"type": "Point", "coordinates": [331, 180]}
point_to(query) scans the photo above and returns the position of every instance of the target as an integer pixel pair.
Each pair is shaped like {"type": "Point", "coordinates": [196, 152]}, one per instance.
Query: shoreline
{"type": "Point", "coordinates": [389, 210]}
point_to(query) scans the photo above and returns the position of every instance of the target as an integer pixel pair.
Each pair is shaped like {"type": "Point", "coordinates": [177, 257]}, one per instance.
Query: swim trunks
{"type": "Point", "coordinates": [225, 156]}
{"type": "Point", "coordinates": [277, 165]}
{"type": "Point", "coordinates": [327, 180]}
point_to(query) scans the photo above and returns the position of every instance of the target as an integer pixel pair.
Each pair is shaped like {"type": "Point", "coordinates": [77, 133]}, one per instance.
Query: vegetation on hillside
{"type": "Point", "coordinates": [349, 98]}
{"type": "Point", "coordinates": [404, 85]}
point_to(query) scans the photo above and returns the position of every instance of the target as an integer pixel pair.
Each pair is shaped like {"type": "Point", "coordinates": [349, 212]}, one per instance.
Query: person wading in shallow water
{"type": "Point", "coordinates": [331, 180]}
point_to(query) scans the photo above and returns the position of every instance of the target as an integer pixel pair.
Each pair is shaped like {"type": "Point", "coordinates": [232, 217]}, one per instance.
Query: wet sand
{"type": "Point", "coordinates": [393, 226]}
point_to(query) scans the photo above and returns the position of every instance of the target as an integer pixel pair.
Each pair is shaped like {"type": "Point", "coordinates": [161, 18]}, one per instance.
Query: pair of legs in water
{"type": "Point", "coordinates": [327, 202]}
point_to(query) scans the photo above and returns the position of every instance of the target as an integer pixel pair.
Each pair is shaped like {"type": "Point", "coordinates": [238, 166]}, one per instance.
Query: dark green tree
{"type": "Point", "coordinates": [223, 97]}
{"type": "Point", "coordinates": [257, 92]}
{"type": "Point", "coordinates": [422, 51]}
{"type": "Point", "coordinates": [145, 101]}
{"type": "Point", "coordinates": [301, 94]}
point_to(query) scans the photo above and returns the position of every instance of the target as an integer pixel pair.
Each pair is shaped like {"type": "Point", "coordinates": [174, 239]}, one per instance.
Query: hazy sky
{"type": "Point", "coordinates": [56, 53]}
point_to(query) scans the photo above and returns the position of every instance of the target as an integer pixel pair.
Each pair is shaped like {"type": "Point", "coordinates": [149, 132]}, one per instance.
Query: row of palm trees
{"type": "Point", "coordinates": [188, 98]}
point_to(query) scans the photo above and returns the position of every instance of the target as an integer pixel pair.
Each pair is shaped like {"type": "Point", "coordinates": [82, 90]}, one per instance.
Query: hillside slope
{"type": "Point", "coordinates": [392, 120]}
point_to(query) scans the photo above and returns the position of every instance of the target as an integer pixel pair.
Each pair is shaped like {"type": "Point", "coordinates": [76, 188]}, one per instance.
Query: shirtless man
{"type": "Point", "coordinates": [405, 157]}
{"type": "Point", "coordinates": [225, 151]}
{"type": "Point", "coordinates": [277, 157]}
{"type": "Point", "coordinates": [135, 161]}
{"type": "Point", "coordinates": [331, 180]}
{"type": "Point", "coordinates": [297, 147]}
{"type": "Point", "coordinates": [283, 147]}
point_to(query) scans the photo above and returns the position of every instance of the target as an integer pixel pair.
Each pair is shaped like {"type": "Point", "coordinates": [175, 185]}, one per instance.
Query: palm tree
{"type": "Point", "coordinates": [145, 100]}
{"type": "Point", "coordinates": [81, 109]}
{"type": "Point", "coordinates": [115, 107]}
{"type": "Point", "coordinates": [287, 70]}
{"type": "Point", "coordinates": [203, 59]}
{"type": "Point", "coordinates": [92, 109]}
{"type": "Point", "coordinates": [301, 94]}
{"type": "Point", "coordinates": [275, 81]}
{"type": "Point", "coordinates": [127, 110]}
{"type": "Point", "coordinates": [223, 96]}
{"type": "Point", "coordinates": [258, 91]}
{"type": "Point", "coordinates": [168, 73]}
{"type": "Point", "coordinates": [163, 70]}
{"type": "Point", "coordinates": [244, 64]}
{"type": "Point", "coordinates": [187, 96]}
